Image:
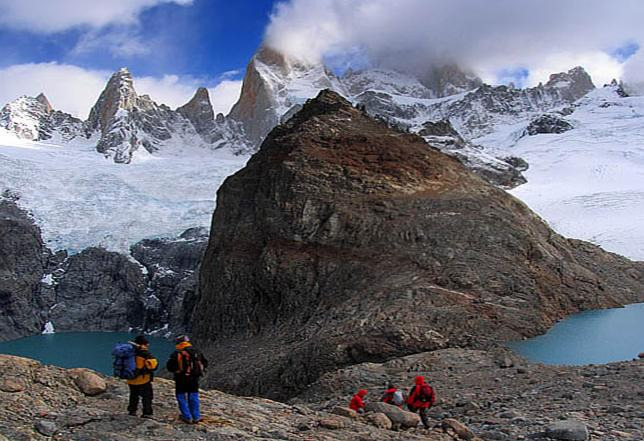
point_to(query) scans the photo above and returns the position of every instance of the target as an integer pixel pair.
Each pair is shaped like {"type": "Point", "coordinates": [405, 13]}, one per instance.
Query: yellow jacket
{"type": "Point", "coordinates": [145, 362]}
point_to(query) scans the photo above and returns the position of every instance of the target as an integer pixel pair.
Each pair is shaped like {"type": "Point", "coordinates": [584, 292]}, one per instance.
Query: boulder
{"type": "Point", "coordinates": [379, 420]}
{"type": "Point", "coordinates": [44, 427]}
{"type": "Point", "coordinates": [332, 423]}
{"type": "Point", "coordinates": [460, 430]}
{"type": "Point", "coordinates": [346, 412]}
{"type": "Point", "coordinates": [88, 381]}
{"type": "Point", "coordinates": [568, 430]}
{"type": "Point", "coordinates": [398, 417]}
{"type": "Point", "coordinates": [12, 384]}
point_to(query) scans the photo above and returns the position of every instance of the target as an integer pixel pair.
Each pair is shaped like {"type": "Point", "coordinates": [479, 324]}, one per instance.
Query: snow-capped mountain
{"type": "Point", "coordinates": [128, 123]}
{"type": "Point", "coordinates": [35, 119]}
{"type": "Point", "coordinates": [273, 85]}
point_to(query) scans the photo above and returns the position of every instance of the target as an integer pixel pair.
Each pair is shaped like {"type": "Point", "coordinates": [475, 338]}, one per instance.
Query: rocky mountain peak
{"type": "Point", "coordinates": [34, 119]}
{"type": "Point", "coordinates": [42, 99]}
{"type": "Point", "coordinates": [573, 84]}
{"type": "Point", "coordinates": [371, 244]}
{"type": "Point", "coordinates": [199, 111]}
{"type": "Point", "coordinates": [449, 79]}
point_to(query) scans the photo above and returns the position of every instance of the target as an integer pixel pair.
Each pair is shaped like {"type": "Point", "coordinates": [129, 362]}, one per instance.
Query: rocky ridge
{"type": "Point", "coordinates": [96, 289]}
{"type": "Point", "coordinates": [34, 119]}
{"type": "Point", "coordinates": [275, 87]}
{"type": "Point", "coordinates": [372, 245]}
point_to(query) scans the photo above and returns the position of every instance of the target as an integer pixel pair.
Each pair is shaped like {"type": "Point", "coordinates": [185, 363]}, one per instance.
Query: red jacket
{"type": "Point", "coordinates": [416, 399]}
{"type": "Point", "coordinates": [357, 401]}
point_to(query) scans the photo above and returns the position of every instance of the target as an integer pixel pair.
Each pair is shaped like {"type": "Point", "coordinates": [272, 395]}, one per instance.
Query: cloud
{"type": "Point", "coordinates": [224, 95]}
{"type": "Point", "coordinates": [121, 42]}
{"type": "Point", "coordinates": [487, 36]}
{"type": "Point", "coordinates": [52, 16]}
{"type": "Point", "coordinates": [69, 88]}
{"type": "Point", "coordinates": [75, 90]}
{"type": "Point", "coordinates": [634, 74]}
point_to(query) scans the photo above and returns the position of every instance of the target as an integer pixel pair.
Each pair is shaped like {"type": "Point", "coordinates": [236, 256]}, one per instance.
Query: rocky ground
{"type": "Point", "coordinates": [481, 396]}
{"type": "Point", "coordinates": [44, 402]}
{"type": "Point", "coordinates": [500, 396]}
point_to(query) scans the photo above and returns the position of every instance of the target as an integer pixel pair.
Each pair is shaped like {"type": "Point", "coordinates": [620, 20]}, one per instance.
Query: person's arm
{"type": "Point", "coordinates": [204, 360]}
{"type": "Point", "coordinates": [151, 363]}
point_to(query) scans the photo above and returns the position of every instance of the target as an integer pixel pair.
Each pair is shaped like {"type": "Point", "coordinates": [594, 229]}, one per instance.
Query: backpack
{"type": "Point", "coordinates": [398, 399]}
{"type": "Point", "coordinates": [124, 355]}
{"type": "Point", "coordinates": [190, 363]}
{"type": "Point", "coordinates": [426, 394]}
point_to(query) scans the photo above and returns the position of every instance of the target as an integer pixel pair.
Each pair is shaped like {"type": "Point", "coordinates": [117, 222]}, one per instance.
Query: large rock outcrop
{"type": "Point", "coordinates": [342, 241]}
{"type": "Point", "coordinates": [23, 258]}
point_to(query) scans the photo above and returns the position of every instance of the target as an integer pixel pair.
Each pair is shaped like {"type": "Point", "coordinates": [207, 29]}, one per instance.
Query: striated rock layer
{"type": "Point", "coordinates": [343, 241]}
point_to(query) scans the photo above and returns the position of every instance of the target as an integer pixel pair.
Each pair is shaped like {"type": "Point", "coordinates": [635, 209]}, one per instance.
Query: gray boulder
{"type": "Point", "coordinates": [548, 124]}
{"type": "Point", "coordinates": [568, 430]}
{"type": "Point", "coordinates": [399, 418]}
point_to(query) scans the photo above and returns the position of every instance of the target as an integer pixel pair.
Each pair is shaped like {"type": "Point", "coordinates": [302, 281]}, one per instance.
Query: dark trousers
{"type": "Point", "coordinates": [424, 416]}
{"type": "Point", "coordinates": [145, 392]}
{"type": "Point", "coordinates": [423, 412]}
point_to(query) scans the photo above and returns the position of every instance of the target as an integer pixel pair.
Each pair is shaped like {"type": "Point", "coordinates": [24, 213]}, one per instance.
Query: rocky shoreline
{"type": "Point", "coordinates": [489, 395]}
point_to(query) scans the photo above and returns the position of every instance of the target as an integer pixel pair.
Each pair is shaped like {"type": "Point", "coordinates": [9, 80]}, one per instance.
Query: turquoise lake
{"type": "Point", "coordinates": [80, 349]}
{"type": "Point", "coordinates": [591, 337]}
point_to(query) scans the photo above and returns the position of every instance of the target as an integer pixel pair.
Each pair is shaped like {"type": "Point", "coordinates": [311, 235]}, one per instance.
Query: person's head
{"type": "Point", "coordinates": [362, 393]}
{"type": "Point", "coordinates": [182, 339]}
{"type": "Point", "coordinates": [420, 380]}
{"type": "Point", "coordinates": [141, 340]}
{"type": "Point", "coordinates": [391, 386]}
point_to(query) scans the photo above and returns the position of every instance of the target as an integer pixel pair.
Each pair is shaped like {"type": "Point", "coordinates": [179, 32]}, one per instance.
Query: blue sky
{"type": "Point", "coordinates": [205, 38]}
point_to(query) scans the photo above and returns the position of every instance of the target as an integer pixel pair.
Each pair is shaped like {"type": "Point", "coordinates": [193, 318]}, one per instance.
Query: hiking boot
{"type": "Point", "coordinates": [197, 421]}
{"type": "Point", "coordinates": [148, 415]}
{"type": "Point", "coordinates": [185, 420]}
{"type": "Point", "coordinates": [132, 413]}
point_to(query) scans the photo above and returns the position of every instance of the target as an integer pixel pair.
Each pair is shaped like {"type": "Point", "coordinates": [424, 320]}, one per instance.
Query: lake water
{"type": "Point", "coordinates": [600, 336]}
{"type": "Point", "coordinates": [80, 349]}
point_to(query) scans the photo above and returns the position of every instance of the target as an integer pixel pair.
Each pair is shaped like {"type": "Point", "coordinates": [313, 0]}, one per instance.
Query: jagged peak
{"type": "Point", "coordinates": [577, 74]}
{"type": "Point", "coordinates": [42, 99]}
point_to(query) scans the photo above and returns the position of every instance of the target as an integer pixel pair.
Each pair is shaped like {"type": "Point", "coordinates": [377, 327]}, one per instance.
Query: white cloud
{"type": "Point", "coordinates": [486, 36]}
{"type": "Point", "coordinates": [634, 74]}
{"type": "Point", "coordinates": [75, 90]}
{"type": "Point", "coordinates": [50, 16]}
{"type": "Point", "coordinates": [69, 88]}
{"type": "Point", "coordinates": [224, 95]}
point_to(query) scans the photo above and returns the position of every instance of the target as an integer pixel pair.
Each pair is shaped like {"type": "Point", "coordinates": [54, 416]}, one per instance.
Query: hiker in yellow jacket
{"type": "Point", "coordinates": [141, 384]}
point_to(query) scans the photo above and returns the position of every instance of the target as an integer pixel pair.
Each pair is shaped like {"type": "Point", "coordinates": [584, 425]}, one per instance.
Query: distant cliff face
{"type": "Point", "coordinates": [343, 241]}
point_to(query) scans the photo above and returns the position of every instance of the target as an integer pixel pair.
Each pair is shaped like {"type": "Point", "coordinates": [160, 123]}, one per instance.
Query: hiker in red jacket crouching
{"type": "Point", "coordinates": [421, 398]}
{"type": "Point", "coordinates": [357, 402]}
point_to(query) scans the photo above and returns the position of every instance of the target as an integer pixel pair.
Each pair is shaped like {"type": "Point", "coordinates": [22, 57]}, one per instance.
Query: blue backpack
{"type": "Point", "coordinates": [124, 361]}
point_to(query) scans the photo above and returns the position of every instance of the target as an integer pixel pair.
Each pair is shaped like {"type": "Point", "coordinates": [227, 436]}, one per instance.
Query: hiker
{"type": "Point", "coordinates": [421, 398]}
{"type": "Point", "coordinates": [141, 384]}
{"type": "Point", "coordinates": [357, 402]}
{"type": "Point", "coordinates": [187, 364]}
{"type": "Point", "coordinates": [393, 396]}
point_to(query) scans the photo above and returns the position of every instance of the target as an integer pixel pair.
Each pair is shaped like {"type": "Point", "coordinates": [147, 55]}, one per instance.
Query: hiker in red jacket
{"type": "Point", "coordinates": [421, 398]}
{"type": "Point", "coordinates": [393, 396]}
{"type": "Point", "coordinates": [357, 402]}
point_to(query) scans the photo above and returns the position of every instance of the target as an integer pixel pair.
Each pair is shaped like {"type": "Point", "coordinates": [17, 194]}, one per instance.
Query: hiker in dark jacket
{"type": "Point", "coordinates": [421, 398]}
{"type": "Point", "coordinates": [187, 364]}
{"type": "Point", "coordinates": [141, 384]}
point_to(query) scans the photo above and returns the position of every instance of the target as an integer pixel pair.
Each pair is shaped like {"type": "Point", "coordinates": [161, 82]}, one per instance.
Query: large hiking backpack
{"type": "Point", "coordinates": [190, 363]}
{"type": "Point", "coordinates": [124, 355]}
{"type": "Point", "coordinates": [426, 394]}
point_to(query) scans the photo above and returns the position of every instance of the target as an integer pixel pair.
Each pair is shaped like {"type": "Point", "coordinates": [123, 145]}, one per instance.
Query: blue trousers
{"type": "Point", "coordinates": [189, 405]}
